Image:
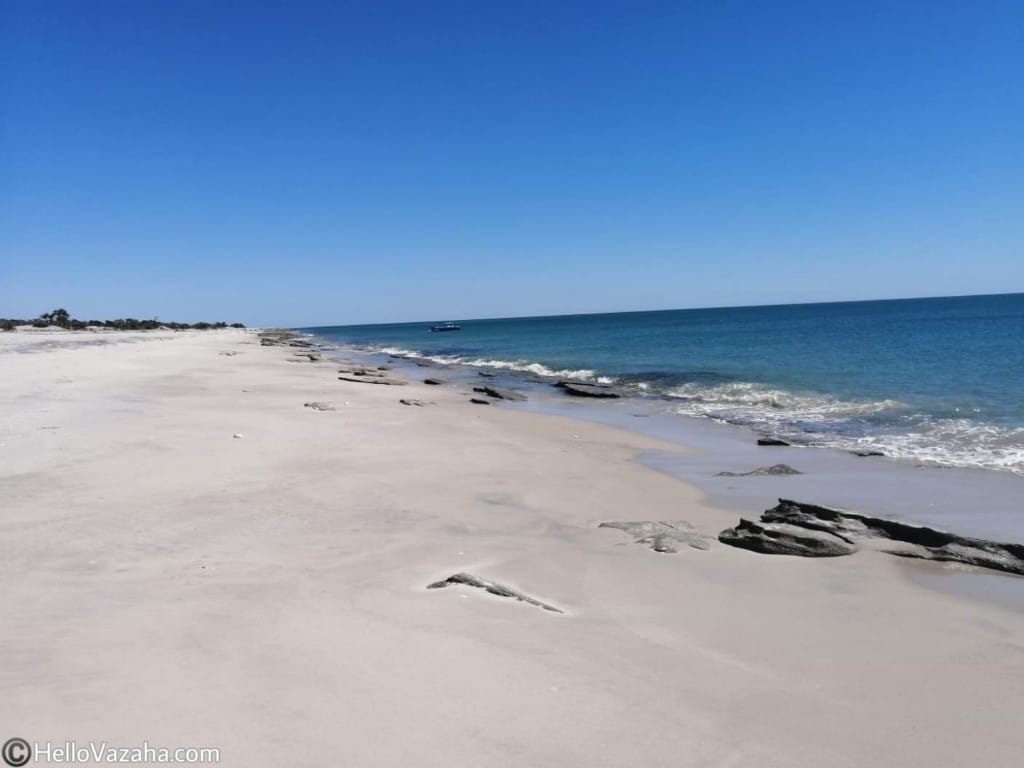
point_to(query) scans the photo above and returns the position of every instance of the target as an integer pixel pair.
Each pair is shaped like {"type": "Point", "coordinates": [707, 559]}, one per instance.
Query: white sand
{"type": "Point", "coordinates": [164, 581]}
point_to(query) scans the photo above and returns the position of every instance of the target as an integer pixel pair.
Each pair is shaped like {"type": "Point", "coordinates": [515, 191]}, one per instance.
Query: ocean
{"type": "Point", "coordinates": [937, 381]}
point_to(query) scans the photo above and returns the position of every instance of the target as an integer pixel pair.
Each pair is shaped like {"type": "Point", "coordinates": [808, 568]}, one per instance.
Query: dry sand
{"type": "Point", "coordinates": [164, 581]}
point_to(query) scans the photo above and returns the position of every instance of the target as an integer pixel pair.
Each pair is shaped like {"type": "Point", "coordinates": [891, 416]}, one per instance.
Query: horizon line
{"type": "Point", "coordinates": [667, 309]}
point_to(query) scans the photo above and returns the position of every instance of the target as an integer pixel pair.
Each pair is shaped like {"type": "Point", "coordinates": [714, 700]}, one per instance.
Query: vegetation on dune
{"type": "Point", "coordinates": [62, 319]}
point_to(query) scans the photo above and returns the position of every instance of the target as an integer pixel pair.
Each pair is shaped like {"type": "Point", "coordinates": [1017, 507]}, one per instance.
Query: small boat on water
{"type": "Point", "coordinates": [445, 327]}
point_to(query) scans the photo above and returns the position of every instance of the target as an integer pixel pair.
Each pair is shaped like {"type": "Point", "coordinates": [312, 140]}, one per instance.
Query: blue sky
{"type": "Point", "coordinates": [317, 163]}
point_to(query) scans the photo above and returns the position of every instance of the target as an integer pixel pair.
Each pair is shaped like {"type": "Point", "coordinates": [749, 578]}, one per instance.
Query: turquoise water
{"type": "Point", "coordinates": [937, 381]}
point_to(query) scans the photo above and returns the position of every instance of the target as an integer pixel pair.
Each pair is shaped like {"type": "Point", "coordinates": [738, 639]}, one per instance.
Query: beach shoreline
{"type": "Point", "coordinates": [200, 554]}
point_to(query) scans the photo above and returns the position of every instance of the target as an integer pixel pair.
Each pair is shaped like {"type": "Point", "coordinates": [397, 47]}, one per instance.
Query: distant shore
{"type": "Point", "coordinates": [212, 540]}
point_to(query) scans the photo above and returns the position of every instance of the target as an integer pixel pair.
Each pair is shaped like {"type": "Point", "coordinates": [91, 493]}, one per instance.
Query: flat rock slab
{"type": "Point", "coordinates": [867, 453]}
{"type": "Point", "coordinates": [783, 539]}
{"type": "Point", "coordinates": [500, 394]}
{"type": "Point", "coordinates": [774, 469]}
{"type": "Point", "coordinates": [469, 580]}
{"type": "Point", "coordinates": [413, 401]}
{"type": "Point", "coordinates": [772, 441]}
{"type": "Point", "coordinates": [434, 382]}
{"type": "Point", "coordinates": [479, 401]}
{"type": "Point", "coordinates": [369, 377]}
{"type": "Point", "coordinates": [797, 528]}
{"type": "Point", "coordinates": [586, 389]}
{"type": "Point", "coordinates": [319, 406]}
{"type": "Point", "coordinates": [661, 535]}
{"type": "Point", "coordinates": [902, 539]}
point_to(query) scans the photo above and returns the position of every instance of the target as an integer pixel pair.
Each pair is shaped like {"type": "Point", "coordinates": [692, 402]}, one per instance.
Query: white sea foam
{"type": "Point", "coordinates": [520, 366]}
{"type": "Point", "coordinates": [885, 425]}
{"type": "Point", "coordinates": [888, 426]}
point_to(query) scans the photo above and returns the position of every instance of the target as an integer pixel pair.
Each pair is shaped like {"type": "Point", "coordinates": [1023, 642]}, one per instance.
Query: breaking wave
{"type": "Point", "coordinates": [520, 366]}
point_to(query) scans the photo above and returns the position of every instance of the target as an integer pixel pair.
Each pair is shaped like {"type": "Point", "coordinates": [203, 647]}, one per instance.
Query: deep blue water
{"type": "Point", "coordinates": [933, 380]}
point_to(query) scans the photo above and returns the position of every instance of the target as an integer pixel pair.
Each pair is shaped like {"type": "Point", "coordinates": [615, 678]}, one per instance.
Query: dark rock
{"type": "Point", "coordinates": [774, 469]}
{"type": "Point", "coordinates": [486, 374]}
{"type": "Point", "coordinates": [785, 539]}
{"type": "Point", "coordinates": [469, 580]}
{"type": "Point", "coordinates": [661, 535]}
{"type": "Point", "coordinates": [364, 379]}
{"type": "Point", "coordinates": [586, 389]}
{"type": "Point", "coordinates": [781, 527]}
{"type": "Point", "coordinates": [434, 382]}
{"type": "Point", "coordinates": [902, 539]}
{"type": "Point", "coordinates": [867, 453]}
{"type": "Point", "coordinates": [411, 401]}
{"type": "Point", "coordinates": [479, 401]}
{"type": "Point", "coordinates": [771, 441]}
{"type": "Point", "coordinates": [500, 394]}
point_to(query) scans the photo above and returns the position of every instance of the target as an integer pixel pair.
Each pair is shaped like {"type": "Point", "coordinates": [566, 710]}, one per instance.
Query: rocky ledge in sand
{"type": "Point", "coordinates": [774, 469]}
{"type": "Point", "coordinates": [469, 580]}
{"type": "Point", "coordinates": [795, 528]}
{"type": "Point", "coordinates": [500, 394]}
{"type": "Point", "coordinates": [368, 376]}
{"type": "Point", "coordinates": [773, 441]}
{"type": "Point", "coordinates": [588, 389]}
{"type": "Point", "coordinates": [661, 535]}
{"type": "Point", "coordinates": [279, 337]}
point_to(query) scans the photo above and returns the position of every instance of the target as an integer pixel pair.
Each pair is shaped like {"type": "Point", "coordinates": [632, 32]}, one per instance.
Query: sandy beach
{"type": "Point", "coordinates": [194, 557]}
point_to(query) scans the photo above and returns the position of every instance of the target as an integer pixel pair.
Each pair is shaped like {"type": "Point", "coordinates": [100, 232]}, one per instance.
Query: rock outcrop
{"type": "Point", "coordinates": [772, 441]}
{"type": "Point", "coordinates": [784, 539]}
{"type": "Point", "coordinates": [500, 394]}
{"type": "Point", "coordinates": [588, 389]}
{"type": "Point", "coordinates": [661, 535]}
{"type": "Point", "coordinates": [774, 469]}
{"type": "Point", "coordinates": [368, 376]}
{"type": "Point", "coordinates": [469, 580]}
{"type": "Point", "coordinates": [791, 519]}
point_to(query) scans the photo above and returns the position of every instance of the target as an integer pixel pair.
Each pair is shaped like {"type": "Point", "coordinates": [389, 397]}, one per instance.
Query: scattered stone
{"type": "Point", "coordinates": [229, 353]}
{"type": "Point", "coordinates": [433, 382]}
{"type": "Point", "coordinates": [319, 406]}
{"type": "Point", "coordinates": [662, 535]}
{"type": "Point", "coordinates": [238, 436]}
{"type": "Point", "coordinates": [364, 379]}
{"type": "Point", "coordinates": [784, 539]}
{"type": "Point", "coordinates": [774, 469]}
{"type": "Point", "coordinates": [881, 534]}
{"type": "Point", "coordinates": [772, 441]}
{"type": "Point", "coordinates": [587, 389]}
{"type": "Point", "coordinates": [486, 374]}
{"type": "Point", "coordinates": [383, 368]}
{"type": "Point", "coordinates": [479, 401]}
{"type": "Point", "coordinates": [469, 580]}
{"type": "Point", "coordinates": [867, 453]}
{"type": "Point", "coordinates": [500, 394]}
{"type": "Point", "coordinates": [411, 401]}
{"type": "Point", "coordinates": [276, 337]}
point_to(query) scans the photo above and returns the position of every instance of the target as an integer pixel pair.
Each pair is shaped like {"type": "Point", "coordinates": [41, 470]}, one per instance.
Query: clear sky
{"type": "Point", "coordinates": [340, 162]}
